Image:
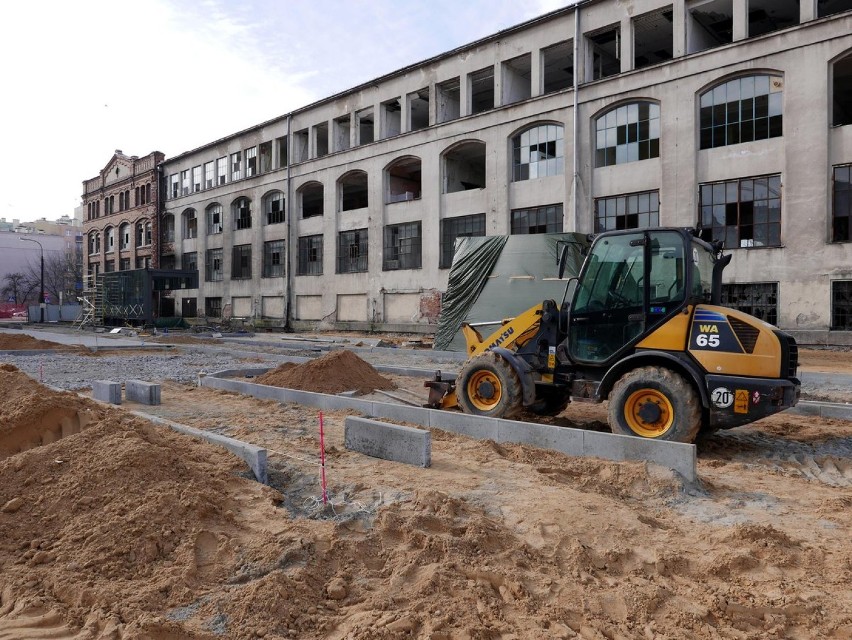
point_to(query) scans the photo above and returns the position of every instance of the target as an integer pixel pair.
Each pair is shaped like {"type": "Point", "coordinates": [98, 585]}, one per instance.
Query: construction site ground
{"type": "Point", "coordinates": [122, 529]}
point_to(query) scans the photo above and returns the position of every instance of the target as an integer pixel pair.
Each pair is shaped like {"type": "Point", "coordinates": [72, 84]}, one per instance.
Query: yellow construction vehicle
{"type": "Point", "coordinates": [642, 327]}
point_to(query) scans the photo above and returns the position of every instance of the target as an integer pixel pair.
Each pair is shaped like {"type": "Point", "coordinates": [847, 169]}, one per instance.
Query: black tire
{"type": "Point", "coordinates": [550, 402]}
{"type": "Point", "coordinates": [488, 386]}
{"type": "Point", "coordinates": [655, 403]}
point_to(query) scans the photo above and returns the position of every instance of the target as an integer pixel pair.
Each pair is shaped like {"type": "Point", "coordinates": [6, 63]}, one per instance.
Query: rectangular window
{"type": "Point", "coordinates": [391, 118]}
{"type": "Point", "coordinates": [352, 251]}
{"type": "Point", "coordinates": [742, 213]}
{"type": "Point", "coordinates": [841, 227]}
{"type": "Point", "coordinates": [208, 175]}
{"type": "Point", "coordinates": [481, 85]}
{"type": "Point", "coordinates": [841, 305]}
{"type": "Point", "coordinates": [546, 219]}
{"type": "Point", "coordinates": [273, 259]}
{"type": "Point", "coordinates": [633, 211]}
{"type": "Point", "coordinates": [301, 145]}
{"type": "Point", "coordinates": [341, 131]}
{"type": "Point", "coordinates": [213, 265]}
{"type": "Point", "coordinates": [517, 77]}
{"type": "Point", "coordinates": [221, 171]}
{"type": "Point", "coordinates": [109, 266]}
{"type": "Point", "coordinates": [364, 121]}
{"type": "Point", "coordinates": [448, 100]}
{"type": "Point", "coordinates": [184, 182]}
{"type": "Point", "coordinates": [310, 256]}
{"type": "Point", "coordinates": [236, 165]}
{"type": "Point", "coordinates": [242, 214]}
{"type": "Point", "coordinates": [403, 247]}
{"type": "Point", "coordinates": [418, 109]}
{"type": "Point", "coordinates": [214, 219]}
{"type": "Point", "coordinates": [213, 307]}
{"type": "Point", "coordinates": [241, 262]}
{"type": "Point", "coordinates": [321, 140]}
{"type": "Point", "coordinates": [265, 157]}
{"type": "Point", "coordinates": [251, 162]}
{"type": "Point", "coordinates": [557, 64]}
{"type": "Point", "coordinates": [196, 179]}
{"type": "Point", "coordinates": [189, 261]}
{"type": "Point", "coordinates": [275, 208]}
{"type": "Point", "coordinates": [460, 227]}
{"type": "Point", "coordinates": [124, 264]}
{"type": "Point", "coordinates": [653, 37]}
{"type": "Point", "coordinates": [759, 299]}
{"type": "Point", "coordinates": [604, 51]}
{"type": "Point", "coordinates": [174, 185]}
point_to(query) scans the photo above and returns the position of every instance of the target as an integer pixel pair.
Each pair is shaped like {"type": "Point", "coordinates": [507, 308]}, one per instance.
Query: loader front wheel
{"type": "Point", "coordinates": [655, 403]}
{"type": "Point", "coordinates": [488, 386]}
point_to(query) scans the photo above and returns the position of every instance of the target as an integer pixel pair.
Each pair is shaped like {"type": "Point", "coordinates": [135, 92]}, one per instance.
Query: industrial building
{"type": "Point", "coordinates": [731, 115]}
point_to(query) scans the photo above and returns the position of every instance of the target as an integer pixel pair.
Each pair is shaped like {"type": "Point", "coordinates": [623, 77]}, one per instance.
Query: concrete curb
{"type": "Point", "coordinates": [574, 442]}
{"type": "Point", "coordinates": [255, 457]}
{"type": "Point", "coordinates": [388, 441]}
{"type": "Point", "coordinates": [822, 409]}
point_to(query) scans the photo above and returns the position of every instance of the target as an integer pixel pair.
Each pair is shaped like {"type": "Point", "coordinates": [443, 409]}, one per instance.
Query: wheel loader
{"type": "Point", "coordinates": [642, 328]}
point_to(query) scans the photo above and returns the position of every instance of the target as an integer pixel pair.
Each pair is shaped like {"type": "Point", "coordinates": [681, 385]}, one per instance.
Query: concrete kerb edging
{"type": "Point", "coordinates": [255, 457]}
{"type": "Point", "coordinates": [574, 442]}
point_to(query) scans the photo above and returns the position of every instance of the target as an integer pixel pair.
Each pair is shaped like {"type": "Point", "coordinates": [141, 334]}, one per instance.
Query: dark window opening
{"type": "Point", "coordinates": [213, 265]}
{"type": "Point", "coordinates": [403, 247]}
{"type": "Point", "coordinates": [841, 219]}
{"type": "Point", "coordinates": [766, 16]}
{"type": "Point", "coordinates": [558, 67]}
{"type": "Point", "coordinates": [312, 201]}
{"type": "Point", "coordinates": [301, 145]}
{"type": "Point", "coordinates": [759, 299]}
{"type": "Point", "coordinates": [265, 157]}
{"type": "Point", "coordinates": [365, 121]}
{"type": "Point", "coordinates": [829, 7]}
{"type": "Point", "coordinates": [213, 307]}
{"type": "Point", "coordinates": [274, 207]}
{"type": "Point", "coordinates": [546, 219]}
{"type": "Point", "coordinates": [709, 25]}
{"type": "Point", "coordinates": [242, 213]}
{"type": "Point", "coordinates": [481, 90]}
{"type": "Point", "coordinates": [241, 262]}
{"type": "Point", "coordinates": [352, 251]}
{"type": "Point", "coordinates": [310, 256]}
{"type": "Point", "coordinates": [321, 136]}
{"type": "Point", "coordinates": [342, 133]}
{"type": "Point", "coordinates": [460, 227]}
{"type": "Point", "coordinates": [464, 167]}
{"type": "Point", "coordinates": [353, 191]}
{"type": "Point", "coordinates": [604, 50]}
{"type": "Point", "coordinates": [391, 118]}
{"type": "Point", "coordinates": [841, 92]}
{"type": "Point", "coordinates": [273, 259]}
{"type": "Point", "coordinates": [841, 305]}
{"type": "Point", "coordinates": [418, 109]}
{"type": "Point", "coordinates": [403, 181]}
{"type": "Point", "coordinates": [653, 38]}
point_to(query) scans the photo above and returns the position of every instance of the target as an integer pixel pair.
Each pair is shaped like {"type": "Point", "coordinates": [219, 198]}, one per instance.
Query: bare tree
{"type": "Point", "coordinates": [17, 288]}
{"type": "Point", "coordinates": [62, 275]}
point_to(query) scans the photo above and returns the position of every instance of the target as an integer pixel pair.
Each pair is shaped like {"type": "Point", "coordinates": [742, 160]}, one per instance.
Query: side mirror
{"type": "Point", "coordinates": [563, 259]}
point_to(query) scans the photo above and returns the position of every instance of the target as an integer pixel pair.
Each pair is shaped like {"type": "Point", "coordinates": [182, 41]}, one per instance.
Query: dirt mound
{"type": "Point", "coordinates": [334, 372]}
{"type": "Point", "coordinates": [22, 342]}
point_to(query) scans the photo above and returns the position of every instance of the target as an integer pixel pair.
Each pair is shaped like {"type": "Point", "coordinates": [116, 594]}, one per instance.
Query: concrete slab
{"type": "Point", "coordinates": [142, 392]}
{"type": "Point", "coordinates": [388, 441]}
{"type": "Point", "coordinates": [672, 455]}
{"type": "Point", "coordinates": [463, 424]}
{"type": "Point", "coordinates": [106, 391]}
{"type": "Point", "coordinates": [255, 457]}
{"type": "Point", "coordinates": [837, 410]}
{"type": "Point", "coordinates": [567, 441]}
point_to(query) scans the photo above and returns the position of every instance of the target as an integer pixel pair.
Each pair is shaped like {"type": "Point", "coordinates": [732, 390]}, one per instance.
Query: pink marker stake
{"type": "Point", "coordinates": [322, 460]}
{"type": "Point", "coordinates": [40, 371]}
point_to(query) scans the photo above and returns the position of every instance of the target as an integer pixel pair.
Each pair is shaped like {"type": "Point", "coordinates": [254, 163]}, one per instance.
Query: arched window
{"type": "Point", "coordinates": [241, 212]}
{"type": "Point", "coordinates": [214, 219]}
{"type": "Point", "coordinates": [742, 110]}
{"type": "Point", "coordinates": [352, 191]}
{"type": "Point", "coordinates": [538, 152]}
{"type": "Point", "coordinates": [190, 224]}
{"type": "Point", "coordinates": [312, 198]}
{"type": "Point", "coordinates": [464, 167]}
{"type": "Point", "coordinates": [109, 238]}
{"type": "Point", "coordinates": [627, 133]}
{"type": "Point", "coordinates": [273, 207]}
{"type": "Point", "coordinates": [124, 236]}
{"type": "Point", "coordinates": [168, 230]}
{"type": "Point", "coordinates": [403, 180]}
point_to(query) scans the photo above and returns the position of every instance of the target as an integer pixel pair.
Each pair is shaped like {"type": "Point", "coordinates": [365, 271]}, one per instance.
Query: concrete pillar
{"type": "Point", "coordinates": [679, 29]}
{"type": "Point", "coordinates": [626, 44]}
{"type": "Point", "coordinates": [740, 20]}
{"type": "Point", "coordinates": [464, 95]}
{"type": "Point", "coordinates": [807, 10]}
{"type": "Point", "coordinates": [536, 72]}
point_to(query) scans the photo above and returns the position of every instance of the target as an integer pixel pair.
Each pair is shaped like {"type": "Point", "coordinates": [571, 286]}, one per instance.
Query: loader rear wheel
{"type": "Point", "coordinates": [488, 386]}
{"type": "Point", "coordinates": [657, 403]}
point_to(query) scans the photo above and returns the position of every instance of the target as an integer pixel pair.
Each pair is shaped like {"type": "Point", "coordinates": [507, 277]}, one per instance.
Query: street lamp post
{"type": "Point", "coordinates": [41, 282]}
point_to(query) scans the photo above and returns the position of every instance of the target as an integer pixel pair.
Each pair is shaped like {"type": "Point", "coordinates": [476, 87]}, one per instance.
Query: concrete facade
{"type": "Point", "coordinates": [338, 211]}
{"type": "Point", "coordinates": [121, 225]}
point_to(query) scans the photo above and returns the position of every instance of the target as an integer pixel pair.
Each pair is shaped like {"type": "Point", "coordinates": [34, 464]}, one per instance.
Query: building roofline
{"type": "Point", "coordinates": [550, 15]}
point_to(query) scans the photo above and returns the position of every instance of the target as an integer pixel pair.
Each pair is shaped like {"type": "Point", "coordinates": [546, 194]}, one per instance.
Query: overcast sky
{"type": "Point", "coordinates": [80, 79]}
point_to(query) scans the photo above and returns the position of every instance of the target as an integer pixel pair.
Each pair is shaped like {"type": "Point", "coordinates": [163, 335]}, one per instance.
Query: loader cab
{"type": "Point", "coordinates": [630, 283]}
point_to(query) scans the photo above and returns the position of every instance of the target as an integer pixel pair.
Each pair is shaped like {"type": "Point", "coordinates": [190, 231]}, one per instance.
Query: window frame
{"type": "Point", "coordinates": [553, 214]}
{"type": "Point", "coordinates": [212, 258]}
{"type": "Point", "coordinates": [709, 212]}
{"type": "Point", "coordinates": [309, 253]}
{"type": "Point", "coordinates": [622, 207]}
{"type": "Point", "coordinates": [629, 132]}
{"type": "Point", "coordinates": [403, 246]}
{"type": "Point", "coordinates": [353, 251]}
{"type": "Point", "coordinates": [475, 222]}
{"type": "Point", "coordinates": [714, 127]}
{"type": "Point", "coordinates": [550, 152]}
{"type": "Point", "coordinates": [271, 268]}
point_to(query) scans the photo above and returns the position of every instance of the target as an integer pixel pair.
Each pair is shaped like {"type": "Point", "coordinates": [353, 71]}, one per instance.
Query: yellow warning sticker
{"type": "Point", "coordinates": [741, 401]}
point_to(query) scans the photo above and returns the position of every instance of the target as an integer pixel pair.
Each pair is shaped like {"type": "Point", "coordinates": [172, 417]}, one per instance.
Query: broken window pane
{"type": "Point", "coordinates": [633, 211]}
{"type": "Point", "coordinates": [746, 212]}
{"type": "Point", "coordinates": [742, 110]}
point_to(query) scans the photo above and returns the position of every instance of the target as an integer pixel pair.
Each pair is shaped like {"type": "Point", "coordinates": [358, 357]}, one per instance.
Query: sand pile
{"type": "Point", "coordinates": [334, 372]}
{"type": "Point", "coordinates": [22, 341]}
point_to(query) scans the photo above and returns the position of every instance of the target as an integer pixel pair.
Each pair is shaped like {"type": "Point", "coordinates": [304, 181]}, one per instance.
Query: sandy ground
{"type": "Point", "coordinates": [114, 528]}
